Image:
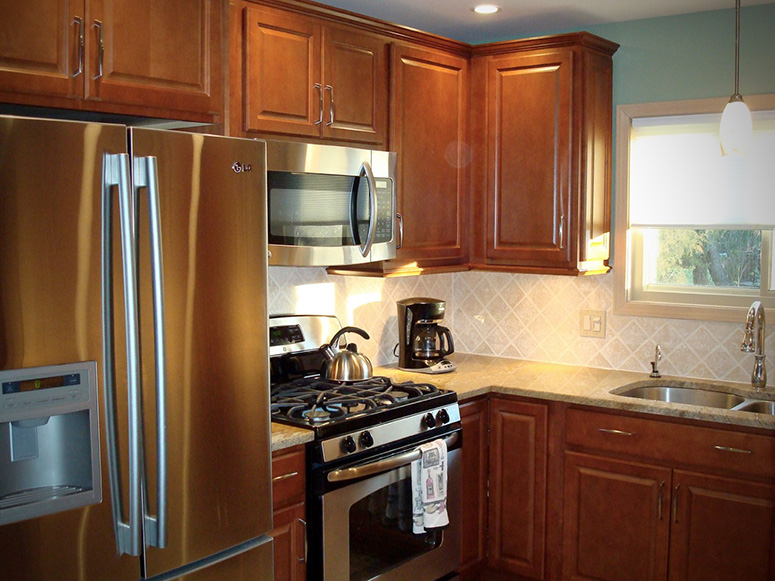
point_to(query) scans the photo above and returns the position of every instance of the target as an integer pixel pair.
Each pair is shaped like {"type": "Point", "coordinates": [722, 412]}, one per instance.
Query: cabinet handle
{"type": "Point", "coordinates": [306, 544]}
{"type": "Point", "coordinates": [616, 432]}
{"type": "Point", "coordinates": [675, 503]}
{"type": "Point", "coordinates": [562, 231]}
{"type": "Point", "coordinates": [736, 450]}
{"type": "Point", "coordinates": [101, 48]}
{"type": "Point", "coordinates": [659, 499]}
{"type": "Point", "coordinates": [319, 87]}
{"type": "Point", "coordinates": [400, 218]}
{"type": "Point", "coordinates": [78, 21]}
{"type": "Point", "coordinates": [284, 476]}
{"type": "Point", "coordinates": [330, 106]}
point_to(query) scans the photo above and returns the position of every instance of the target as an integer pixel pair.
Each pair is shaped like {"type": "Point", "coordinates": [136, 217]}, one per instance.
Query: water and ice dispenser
{"type": "Point", "coordinates": [49, 440]}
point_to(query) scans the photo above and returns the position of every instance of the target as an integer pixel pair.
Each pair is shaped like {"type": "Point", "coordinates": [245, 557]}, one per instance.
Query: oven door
{"type": "Point", "coordinates": [367, 525]}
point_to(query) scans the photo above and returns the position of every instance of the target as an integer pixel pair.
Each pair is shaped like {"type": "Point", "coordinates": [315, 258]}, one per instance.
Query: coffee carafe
{"type": "Point", "coordinates": [423, 343]}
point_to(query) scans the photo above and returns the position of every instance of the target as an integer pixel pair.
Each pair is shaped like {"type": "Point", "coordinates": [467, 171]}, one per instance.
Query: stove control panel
{"type": "Point", "coordinates": [389, 432]}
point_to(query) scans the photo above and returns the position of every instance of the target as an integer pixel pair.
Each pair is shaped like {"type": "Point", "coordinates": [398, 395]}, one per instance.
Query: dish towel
{"type": "Point", "coordinates": [429, 487]}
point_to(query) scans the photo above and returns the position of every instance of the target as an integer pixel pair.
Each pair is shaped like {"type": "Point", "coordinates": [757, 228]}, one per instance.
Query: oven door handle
{"type": "Point", "coordinates": [384, 465]}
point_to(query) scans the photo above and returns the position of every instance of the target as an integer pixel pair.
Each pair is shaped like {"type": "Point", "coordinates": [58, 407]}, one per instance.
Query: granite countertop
{"type": "Point", "coordinates": [479, 374]}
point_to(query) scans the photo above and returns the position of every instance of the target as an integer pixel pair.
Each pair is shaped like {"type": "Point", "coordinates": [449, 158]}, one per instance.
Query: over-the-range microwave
{"type": "Point", "coordinates": [329, 205]}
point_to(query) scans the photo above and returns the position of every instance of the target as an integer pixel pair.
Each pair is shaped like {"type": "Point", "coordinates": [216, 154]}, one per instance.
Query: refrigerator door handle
{"type": "Point", "coordinates": [116, 172]}
{"type": "Point", "coordinates": [147, 176]}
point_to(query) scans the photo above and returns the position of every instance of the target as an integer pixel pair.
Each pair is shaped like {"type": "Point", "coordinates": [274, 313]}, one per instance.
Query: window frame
{"type": "Point", "coordinates": [674, 303]}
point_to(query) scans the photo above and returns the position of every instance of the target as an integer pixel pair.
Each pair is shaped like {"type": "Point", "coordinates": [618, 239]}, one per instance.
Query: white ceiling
{"type": "Point", "coordinates": [521, 18]}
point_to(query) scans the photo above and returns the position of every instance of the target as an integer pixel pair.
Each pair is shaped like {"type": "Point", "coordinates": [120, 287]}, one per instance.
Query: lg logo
{"type": "Point", "coordinates": [241, 167]}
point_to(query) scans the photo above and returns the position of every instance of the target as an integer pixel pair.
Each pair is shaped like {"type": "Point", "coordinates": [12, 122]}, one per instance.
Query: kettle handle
{"type": "Point", "coordinates": [335, 339]}
{"type": "Point", "coordinates": [448, 345]}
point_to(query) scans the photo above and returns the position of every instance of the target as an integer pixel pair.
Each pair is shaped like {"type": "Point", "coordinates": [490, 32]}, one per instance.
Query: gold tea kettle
{"type": "Point", "coordinates": [346, 364]}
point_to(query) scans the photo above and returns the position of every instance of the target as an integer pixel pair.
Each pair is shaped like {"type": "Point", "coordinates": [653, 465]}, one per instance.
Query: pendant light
{"type": "Point", "coordinates": [736, 130]}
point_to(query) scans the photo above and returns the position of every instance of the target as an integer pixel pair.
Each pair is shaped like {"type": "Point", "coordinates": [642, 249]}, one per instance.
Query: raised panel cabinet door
{"type": "Point", "coordinates": [429, 110]}
{"type": "Point", "coordinates": [355, 86]}
{"type": "Point", "coordinates": [529, 101]}
{"type": "Point", "coordinates": [39, 47]}
{"type": "Point", "coordinates": [518, 472]}
{"type": "Point", "coordinates": [473, 534]}
{"type": "Point", "coordinates": [722, 528]}
{"type": "Point", "coordinates": [616, 519]}
{"type": "Point", "coordinates": [283, 88]}
{"type": "Point", "coordinates": [156, 54]}
{"type": "Point", "coordinates": [289, 535]}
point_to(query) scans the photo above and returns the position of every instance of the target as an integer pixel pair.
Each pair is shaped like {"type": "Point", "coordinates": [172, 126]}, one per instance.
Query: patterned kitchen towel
{"type": "Point", "coordinates": [429, 486]}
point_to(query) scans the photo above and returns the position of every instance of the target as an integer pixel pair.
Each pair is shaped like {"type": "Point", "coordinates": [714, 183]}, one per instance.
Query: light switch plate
{"type": "Point", "coordinates": [592, 323]}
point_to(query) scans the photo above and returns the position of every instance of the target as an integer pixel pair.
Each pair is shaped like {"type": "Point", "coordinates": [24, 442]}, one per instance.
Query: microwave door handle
{"type": "Point", "coordinates": [147, 175]}
{"type": "Point", "coordinates": [354, 234]}
{"type": "Point", "coordinates": [383, 465]}
{"type": "Point", "coordinates": [365, 248]}
{"type": "Point", "coordinates": [115, 172]}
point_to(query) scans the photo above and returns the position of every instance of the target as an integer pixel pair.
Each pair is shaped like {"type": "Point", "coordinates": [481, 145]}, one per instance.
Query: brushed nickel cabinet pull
{"type": "Point", "coordinates": [101, 48]}
{"type": "Point", "coordinates": [319, 87]}
{"type": "Point", "coordinates": [306, 545]}
{"type": "Point", "coordinates": [675, 503]}
{"type": "Point", "coordinates": [736, 450]}
{"type": "Point", "coordinates": [78, 21]}
{"type": "Point", "coordinates": [616, 432]}
{"type": "Point", "coordinates": [659, 499]}
{"type": "Point", "coordinates": [284, 476]}
{"type": "Point", "coordinates": [330, 106]}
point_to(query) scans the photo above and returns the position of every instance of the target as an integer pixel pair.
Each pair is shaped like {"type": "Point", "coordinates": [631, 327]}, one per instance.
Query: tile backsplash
{"type": "Point", "coordinates": [520, 316]}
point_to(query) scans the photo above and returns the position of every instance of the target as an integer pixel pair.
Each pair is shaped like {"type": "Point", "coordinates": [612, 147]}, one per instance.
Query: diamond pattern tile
{"type": "Point", "coordinates": [520, 316]}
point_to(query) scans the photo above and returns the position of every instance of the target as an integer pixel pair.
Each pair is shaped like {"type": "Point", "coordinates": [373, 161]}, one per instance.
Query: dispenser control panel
{"type": "Point", "coordinates": [42, 389]}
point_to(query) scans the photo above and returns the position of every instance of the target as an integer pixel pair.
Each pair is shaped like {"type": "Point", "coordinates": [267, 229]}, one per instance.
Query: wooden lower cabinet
{"type": "Point", "coordinates": [518, 480]}
{"type": "Point", "coordinates": [288, 502]}
{"type": "Point", "coordinates": [616, 523]}
{"type": "Point", "coordinates": [722, 528]}
{"type": "Point", "coordinates": [473, 535]}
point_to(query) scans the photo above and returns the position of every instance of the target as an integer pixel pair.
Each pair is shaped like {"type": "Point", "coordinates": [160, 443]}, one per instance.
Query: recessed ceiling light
{"type": "Point", "coordinates": [486, 9]}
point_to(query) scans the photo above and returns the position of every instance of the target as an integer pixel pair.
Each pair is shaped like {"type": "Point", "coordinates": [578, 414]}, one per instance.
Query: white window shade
{"type": "Point", "coordinates": [679, 178]}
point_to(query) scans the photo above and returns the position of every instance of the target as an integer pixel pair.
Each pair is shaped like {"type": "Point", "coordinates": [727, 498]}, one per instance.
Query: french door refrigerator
{"type": "Point", "coordinates": [133, 263]}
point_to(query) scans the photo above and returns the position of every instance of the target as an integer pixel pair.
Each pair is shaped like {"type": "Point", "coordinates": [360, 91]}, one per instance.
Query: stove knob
{"type": "Point", "coordinates": [348, 444]}
{"type": "Point", "coordinates": [443, 417]}
{"type": "Point", "coordinates": [429, 421]}
{"type": "Point", "coordinates": [366, 439]}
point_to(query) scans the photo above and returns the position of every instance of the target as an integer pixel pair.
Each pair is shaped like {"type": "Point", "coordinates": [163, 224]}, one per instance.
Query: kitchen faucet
{"type": "Point", "coordinates": [755, 344]}
{"type": "Point", "coordinates": [655, 363]}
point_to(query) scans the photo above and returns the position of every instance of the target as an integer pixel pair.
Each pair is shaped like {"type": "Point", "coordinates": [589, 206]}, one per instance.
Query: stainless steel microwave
{"type": "Point", "coordinates": [329, 205]}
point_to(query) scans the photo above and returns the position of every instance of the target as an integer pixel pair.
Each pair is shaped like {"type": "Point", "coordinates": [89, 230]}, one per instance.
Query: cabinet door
{"type": "Point", "coordinates": [429, 106]}
{"type": "Point", "coordinates": [722, 528]}
{"type": "Point", "coordinates": [156, 54]}
{"type": "Point", "coordinates": [289, 544]}
{"type": "Point", "coordinates": [39, 47]}
{"type": "Point", "coordinates": [355, 86]}
{"type": "Point", "coordinates": [529, 100]}
{"type": "Point", "coordinates": [282, 84]}
{"type": "Point", "coordinates": [518, 466]}
{"type": "Point", "coordinates": [616, 522]}
{"type": "Point", "coordinates": [473, 534]}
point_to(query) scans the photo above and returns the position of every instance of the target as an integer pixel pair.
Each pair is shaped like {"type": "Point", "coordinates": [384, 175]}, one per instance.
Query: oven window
{"type": "Point", "coordinates": [381, 535]}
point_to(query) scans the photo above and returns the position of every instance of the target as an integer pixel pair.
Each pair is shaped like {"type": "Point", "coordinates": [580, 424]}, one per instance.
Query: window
{"type": "Point", "coordinates": [693, 231]}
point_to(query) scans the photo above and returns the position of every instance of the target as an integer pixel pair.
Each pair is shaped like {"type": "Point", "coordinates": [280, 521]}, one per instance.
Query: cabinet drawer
{"type": "Point", "coordinates": [665, 442]}
{"type": "Point", "coordinates": [288, 480]}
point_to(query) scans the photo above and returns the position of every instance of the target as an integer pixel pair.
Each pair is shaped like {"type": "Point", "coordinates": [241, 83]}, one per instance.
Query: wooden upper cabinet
{"type": "Point", "coordinates": [546, 184]}
{"type": "Point", "coordinates": [134, 57]}
{"type": "Point", "coordinates": [306, 78]}
{"type": "Point", "coordinates": [162, 54]}
{"type": "Point", "coordinates": [39, 46]}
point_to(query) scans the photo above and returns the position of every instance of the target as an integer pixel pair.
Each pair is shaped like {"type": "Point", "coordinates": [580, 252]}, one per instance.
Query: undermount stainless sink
{"type": "Point", "coordinates": [758, 407]}
{"type": "Point", "coordinates": [688, 395]}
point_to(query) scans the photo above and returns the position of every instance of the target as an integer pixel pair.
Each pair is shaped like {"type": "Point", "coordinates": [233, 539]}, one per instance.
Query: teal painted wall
{"type": "Point", "coordinates": [691, 56]}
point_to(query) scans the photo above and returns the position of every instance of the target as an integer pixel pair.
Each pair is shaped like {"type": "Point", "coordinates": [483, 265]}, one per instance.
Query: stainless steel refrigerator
{"type": "Point", "coordinates": [138, 258]}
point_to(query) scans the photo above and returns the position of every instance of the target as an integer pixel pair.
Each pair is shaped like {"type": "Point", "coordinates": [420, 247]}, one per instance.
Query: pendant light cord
{"type": "Point", "coordinates": [737, 47]}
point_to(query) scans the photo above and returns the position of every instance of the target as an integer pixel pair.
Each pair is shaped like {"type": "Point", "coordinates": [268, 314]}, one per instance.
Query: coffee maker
{"type": "Point", "coordinates": [423, 343]}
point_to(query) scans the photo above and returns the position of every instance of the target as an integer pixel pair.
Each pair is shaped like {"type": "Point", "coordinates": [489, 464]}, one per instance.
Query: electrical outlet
{"type": "Point", "coordinates": [592, 323]}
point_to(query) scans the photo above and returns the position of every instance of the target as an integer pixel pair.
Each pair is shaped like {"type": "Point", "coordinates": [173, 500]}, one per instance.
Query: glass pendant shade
{"type": "Point", "coordinates": [736, 128]}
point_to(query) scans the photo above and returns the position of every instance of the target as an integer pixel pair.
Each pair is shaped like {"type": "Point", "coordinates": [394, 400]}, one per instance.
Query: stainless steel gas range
{"type": "Point", "coordinates": [359, 498]}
